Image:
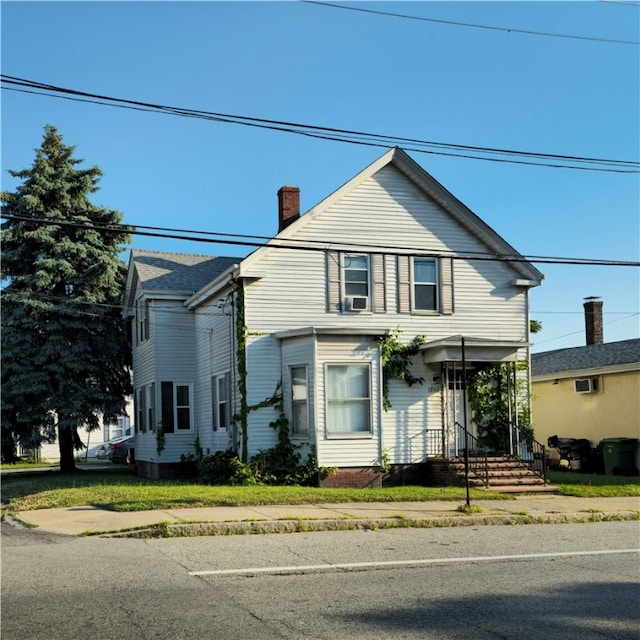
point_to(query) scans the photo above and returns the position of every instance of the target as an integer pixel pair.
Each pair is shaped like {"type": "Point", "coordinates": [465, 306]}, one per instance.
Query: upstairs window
{"type": "Point", "coordinates": [356, 275]}
{"type": "Point", "coordinates": [142, 320]}
{"type": "Point", "coordinates": [356, 282]}
{"type": "Point", "coordinates": [425, 284]}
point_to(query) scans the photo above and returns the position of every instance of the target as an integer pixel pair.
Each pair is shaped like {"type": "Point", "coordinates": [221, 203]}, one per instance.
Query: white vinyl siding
{"type": "Point", "coordinates": [351, 449]}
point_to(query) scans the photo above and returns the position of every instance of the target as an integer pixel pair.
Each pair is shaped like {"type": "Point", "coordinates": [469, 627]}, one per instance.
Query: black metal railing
{"type": "Point", "coordinates": [475, 455]}
{"type": "Point", "coordinates": [525, 448]}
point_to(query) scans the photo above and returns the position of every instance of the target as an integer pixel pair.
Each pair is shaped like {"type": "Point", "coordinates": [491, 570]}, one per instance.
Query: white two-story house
{"type": "Point", "coordinates": [390, 251]}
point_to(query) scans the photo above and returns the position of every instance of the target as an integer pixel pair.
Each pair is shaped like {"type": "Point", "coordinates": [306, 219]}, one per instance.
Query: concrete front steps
{"type": "Point", "coordinates": [505, 475]}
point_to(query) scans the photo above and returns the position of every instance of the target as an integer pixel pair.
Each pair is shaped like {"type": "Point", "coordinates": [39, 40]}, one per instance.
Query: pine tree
{"type": "Point", "coordinates": [65, 355]}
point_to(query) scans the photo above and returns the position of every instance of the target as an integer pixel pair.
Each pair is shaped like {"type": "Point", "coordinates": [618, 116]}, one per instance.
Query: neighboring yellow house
{"type": "Point", "coordinates": [588, 392]}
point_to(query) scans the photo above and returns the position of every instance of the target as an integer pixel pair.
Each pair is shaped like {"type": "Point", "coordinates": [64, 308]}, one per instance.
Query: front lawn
{"type": "Point", "coordinates": [583, 485]}
{"type": "Point", "coordinates": [121, 490]}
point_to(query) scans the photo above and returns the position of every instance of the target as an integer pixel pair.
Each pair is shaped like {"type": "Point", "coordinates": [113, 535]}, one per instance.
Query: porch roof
{"type": "Point", "coordinates": [475, 350]}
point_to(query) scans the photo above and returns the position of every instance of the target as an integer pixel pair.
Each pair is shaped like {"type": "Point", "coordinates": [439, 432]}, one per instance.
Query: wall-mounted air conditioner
{"type": "Point", "coordinates": [586, 385]}
{"type": "Point", "coordinates": [357, 303]}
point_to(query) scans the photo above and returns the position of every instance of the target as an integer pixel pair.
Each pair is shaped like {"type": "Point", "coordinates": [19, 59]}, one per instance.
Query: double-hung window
{"type": "Point", "coordinates": [141, 409]}
{"type": "Point", "coordinates": [142, 320]}
{"type": "Point", "coordinates": [348, 399]}
{"type": "Point", "coordinates": [299, 402]}
{"type": "Point", "coordinates": [356, 275]}
{"type": "Point", "coordinates": [177, 412]}
{"type": "Point", "coordinates": [425, 284]}
{"type": "Point", "coordinates": [221, 401]}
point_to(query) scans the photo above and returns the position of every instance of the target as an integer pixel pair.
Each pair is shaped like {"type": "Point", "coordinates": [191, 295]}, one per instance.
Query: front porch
{"type": "Point", "coordinates": [482, 442]}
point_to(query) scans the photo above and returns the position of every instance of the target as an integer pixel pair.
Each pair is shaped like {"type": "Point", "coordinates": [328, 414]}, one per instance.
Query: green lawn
{"type": "Point", "coordinates": [584, 485]}
{"type": "Point", "coordinates": [120, 489]}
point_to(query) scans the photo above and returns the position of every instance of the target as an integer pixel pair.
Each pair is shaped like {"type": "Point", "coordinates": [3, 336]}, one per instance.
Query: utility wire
{"type": "Point", "coordinates": [303, 245]}
{"type": "Point", "coordinates": [492, 154]}
{"type": "Point", "coordinates": [455, 23]}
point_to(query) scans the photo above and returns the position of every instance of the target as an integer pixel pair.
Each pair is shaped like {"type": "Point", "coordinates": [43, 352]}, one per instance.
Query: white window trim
{"type": "Point", "coordinates": [348, 435]}
{"type": "Point", "coordinates": [142, 320]}
{"type": "Point", "coordinates": [216, 405]}
{"type": "Point", "coordinates": [412, 280]}
{"type": "Point", "coordinates": [175, 407]}
{"type": "Point", "coordinates": [344, 259]}
{"type": "Point", "coordinates": [293, 434]}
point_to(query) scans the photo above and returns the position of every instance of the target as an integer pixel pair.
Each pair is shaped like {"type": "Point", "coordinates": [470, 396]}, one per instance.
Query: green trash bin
{"type": "Point", "coordinates": [620, 456]}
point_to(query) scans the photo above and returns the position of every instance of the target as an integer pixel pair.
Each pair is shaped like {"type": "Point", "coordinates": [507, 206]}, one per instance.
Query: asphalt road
{"type": "Point", "coordinates": [542, 582]}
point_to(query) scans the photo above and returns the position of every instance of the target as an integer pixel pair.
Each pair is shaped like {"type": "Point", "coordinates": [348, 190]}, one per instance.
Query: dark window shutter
{"type": "Point", "coordinates": [333, 281]}
{"type": "Point", "coordinates": [146, 320]}
{"type": "Point", "coordinates": [152, 407]}
{"type": "Point", "coordinates": [167, 407]}
{"type": "Point", "coordinates": [227, 406]}
{"type": "Point", "coordinates": [446, 286]}
{"type": "Point", "coordinates": [379, 297]}
{"type": "Point", "coordinates": [404, 285]}
{"type": "Point", "coordinates": [214, 403]}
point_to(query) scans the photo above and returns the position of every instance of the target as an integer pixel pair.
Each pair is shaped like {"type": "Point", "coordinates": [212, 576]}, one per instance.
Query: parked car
{"type": "Point", "coordinates": [102, 450]}
{"type": "Point", "coordinates": [122, 450]}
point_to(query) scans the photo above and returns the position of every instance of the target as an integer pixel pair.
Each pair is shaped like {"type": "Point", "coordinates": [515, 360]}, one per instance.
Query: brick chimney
{"type": "Point", "coordinates": [288, 206]}
{"type": "Point", "coordinates": [593, 320]}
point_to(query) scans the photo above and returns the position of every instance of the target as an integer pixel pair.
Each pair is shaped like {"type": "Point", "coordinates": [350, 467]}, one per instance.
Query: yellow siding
{"type": "Point", "coordinates": [612, 412]}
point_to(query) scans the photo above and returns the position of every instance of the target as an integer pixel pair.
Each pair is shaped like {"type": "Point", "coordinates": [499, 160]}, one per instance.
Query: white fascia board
{"type": "Point", "coordinates": [327, 331]}
{"type": "Point", "coordinates": [214, 288]}
{"type": "Point", "coordinates": [587, 373]}
{"type": "Point", "coordinates": [465, 216]}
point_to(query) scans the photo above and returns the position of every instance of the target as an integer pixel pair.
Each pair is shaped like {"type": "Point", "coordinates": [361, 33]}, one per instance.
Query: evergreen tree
{"type": "Point", "coordinates": [65, 353]}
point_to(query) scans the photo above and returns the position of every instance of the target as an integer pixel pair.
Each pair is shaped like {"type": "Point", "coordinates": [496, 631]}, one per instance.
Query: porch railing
{"type": "Point", "coordinates": [525, 448]}
{"type": "Point", "coordinates": [476, 455]}
{"type": "Point", "coordinates": [519, 445]}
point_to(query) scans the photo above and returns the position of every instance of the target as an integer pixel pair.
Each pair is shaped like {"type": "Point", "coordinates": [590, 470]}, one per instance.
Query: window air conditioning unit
{"type": "Point", "coordinates": [586, 385]}
{"type": "Point", "coordinates": [357, 303]}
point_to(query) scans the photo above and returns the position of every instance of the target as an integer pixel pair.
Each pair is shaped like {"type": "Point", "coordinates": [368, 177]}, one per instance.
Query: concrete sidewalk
{"type": "Point", "coordinates": [526, 509]}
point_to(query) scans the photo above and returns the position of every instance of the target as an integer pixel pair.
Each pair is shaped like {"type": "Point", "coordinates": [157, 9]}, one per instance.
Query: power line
{"type": "Point", "coordinates": [574, 333]}
{"type": "Point", "coordinates": [491, 154]}
{"type": "Point", "coordinates": [314, 245]}
{"type": "Point", "coordinates": [455, 23]}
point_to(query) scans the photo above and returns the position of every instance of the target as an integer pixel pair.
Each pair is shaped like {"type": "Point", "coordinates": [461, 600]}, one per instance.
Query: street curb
{"type": "Point", "coordinates": [193, 529]}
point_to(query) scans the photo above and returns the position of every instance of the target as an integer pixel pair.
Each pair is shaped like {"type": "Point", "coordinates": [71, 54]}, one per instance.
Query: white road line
{"type": "Point", "coordinates": [348, 566]}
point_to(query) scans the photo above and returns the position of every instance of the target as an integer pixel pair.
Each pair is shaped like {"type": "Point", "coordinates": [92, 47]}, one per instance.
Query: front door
{"type": "Point", "coordinates": [454, 411]}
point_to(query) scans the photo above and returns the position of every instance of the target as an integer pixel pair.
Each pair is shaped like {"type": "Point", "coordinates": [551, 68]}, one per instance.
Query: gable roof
{"type": "Point", "coordinates": [429, 185]}
{"type": "Point", "coordinates": [181, 274]}
{"type": "Point", "coordinates": [593, 357]}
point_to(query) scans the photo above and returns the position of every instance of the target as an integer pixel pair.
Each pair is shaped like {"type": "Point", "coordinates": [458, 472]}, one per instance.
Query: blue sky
{"type": "Point", "coordinates": [300, 62]}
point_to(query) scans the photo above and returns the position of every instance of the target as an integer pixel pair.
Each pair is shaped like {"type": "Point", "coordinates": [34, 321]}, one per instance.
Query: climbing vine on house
{"type": "Point", "coordinates": [396, 359]}
{"type": "Point", "coordinates": [241, 360]}
{"type": "Point", "coordinates": [282, 464]}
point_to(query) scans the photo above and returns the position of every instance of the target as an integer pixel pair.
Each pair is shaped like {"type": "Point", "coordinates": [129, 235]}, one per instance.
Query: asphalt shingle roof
{"type": "Point", "coordinates": [592, 356]}
{"type": "Point", "coordinates": [184, 272]}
